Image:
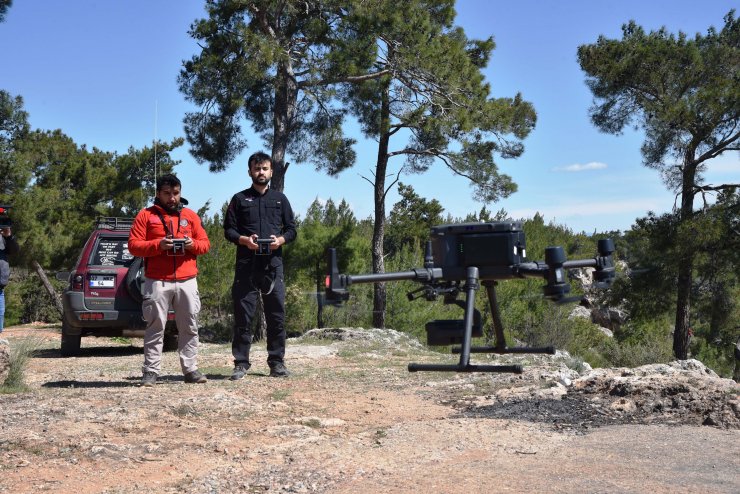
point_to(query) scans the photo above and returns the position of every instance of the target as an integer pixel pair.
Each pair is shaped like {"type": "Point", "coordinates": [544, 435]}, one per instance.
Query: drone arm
{"type": "Point", "coordinates": [420, 275]}
{"type": "Point", "coordinates": [337, 284]}
{"type": "Point", "coordinates": [554, 267]}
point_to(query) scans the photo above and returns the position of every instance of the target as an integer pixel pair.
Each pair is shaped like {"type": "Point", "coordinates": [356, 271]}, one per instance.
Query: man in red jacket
{"type": "Point", "coordinates": [169, 237]}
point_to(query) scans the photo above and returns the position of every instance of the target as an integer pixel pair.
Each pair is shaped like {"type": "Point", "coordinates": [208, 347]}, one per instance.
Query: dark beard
{"type": "Point", "coordinates": [168, 210]}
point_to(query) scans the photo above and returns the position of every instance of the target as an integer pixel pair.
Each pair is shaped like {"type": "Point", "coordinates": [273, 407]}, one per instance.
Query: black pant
{"type": "Point", "coordinates": [252, 276]}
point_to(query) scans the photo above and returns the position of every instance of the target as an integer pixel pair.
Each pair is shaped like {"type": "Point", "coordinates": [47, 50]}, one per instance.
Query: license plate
{"type": "Point", "coordinates": [102, 281]}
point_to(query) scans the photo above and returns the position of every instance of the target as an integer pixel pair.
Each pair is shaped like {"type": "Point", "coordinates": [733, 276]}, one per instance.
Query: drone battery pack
{"type": "Point", "coordinates": [478, 244]}
{"type": "Point", "coordinates": [444, 332]}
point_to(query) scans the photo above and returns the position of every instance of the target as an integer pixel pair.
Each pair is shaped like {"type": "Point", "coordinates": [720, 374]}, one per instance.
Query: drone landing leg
{"type": "Point", "coordinates": [471, 286]}
{"type": "Point", "coordinates": [500, 344]}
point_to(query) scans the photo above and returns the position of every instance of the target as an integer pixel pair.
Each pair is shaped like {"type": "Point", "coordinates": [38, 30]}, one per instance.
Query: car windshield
{"type": "Point", "coordinates": [111, 252]}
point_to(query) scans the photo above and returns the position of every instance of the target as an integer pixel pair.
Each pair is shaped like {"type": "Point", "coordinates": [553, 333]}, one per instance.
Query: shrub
{"type": "Point", "coordinates": [20, 354]}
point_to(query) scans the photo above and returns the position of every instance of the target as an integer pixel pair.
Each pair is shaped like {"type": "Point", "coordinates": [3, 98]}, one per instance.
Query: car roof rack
{"type": "Point", "coordinates": [114, 223]}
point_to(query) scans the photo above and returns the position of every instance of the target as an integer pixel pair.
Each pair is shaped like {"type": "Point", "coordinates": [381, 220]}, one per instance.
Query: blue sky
{"type": "Point", "coordinates": [104, 72]}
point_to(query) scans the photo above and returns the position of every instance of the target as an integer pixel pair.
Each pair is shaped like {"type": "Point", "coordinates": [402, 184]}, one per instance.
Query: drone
{"type": "Point", "coordinates": [458, 259]}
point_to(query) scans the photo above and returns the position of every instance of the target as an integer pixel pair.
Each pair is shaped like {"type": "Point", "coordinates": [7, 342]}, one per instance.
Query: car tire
{"type": "Point", "coordinates": [70, 342]}
{"type": "Point", "coordinates": [134, 279]}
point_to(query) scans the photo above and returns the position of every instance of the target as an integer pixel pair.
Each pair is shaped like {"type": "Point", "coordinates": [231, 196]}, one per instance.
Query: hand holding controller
{"type": "Point", "coordinates": [178, 247]}
{"type": "Point", "coordinates": [263, 246]}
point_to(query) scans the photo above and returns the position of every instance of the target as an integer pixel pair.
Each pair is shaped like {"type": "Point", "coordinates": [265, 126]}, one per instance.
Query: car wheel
{"type": "Point", "coordinates": [70, 342]}
{"type": "Point", "coordinates": [134, 279]}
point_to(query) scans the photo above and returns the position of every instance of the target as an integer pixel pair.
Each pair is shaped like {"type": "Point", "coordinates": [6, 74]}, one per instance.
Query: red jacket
{"type": "Point", "coordinates": [148, 230]}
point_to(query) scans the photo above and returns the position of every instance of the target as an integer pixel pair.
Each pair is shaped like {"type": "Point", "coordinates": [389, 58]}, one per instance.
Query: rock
{"type": "Point", "coordinates": [386, 337]}
{"type": "Point", "coordinates": [4, 360]}
{"type": "Point", "coordinates": [683, 391]}
{"type": "Point", "coordinates": [580, 311]}
{"type": "Point", "coordinates": [610, 318]}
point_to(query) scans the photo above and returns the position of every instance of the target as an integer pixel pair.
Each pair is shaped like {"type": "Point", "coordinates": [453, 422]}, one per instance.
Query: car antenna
{"type": "Point", "coordinates": [155, 138]}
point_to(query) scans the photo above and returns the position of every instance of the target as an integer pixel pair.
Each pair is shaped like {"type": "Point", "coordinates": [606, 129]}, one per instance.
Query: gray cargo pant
{"type": "Point", "coordinates": [183, 297]}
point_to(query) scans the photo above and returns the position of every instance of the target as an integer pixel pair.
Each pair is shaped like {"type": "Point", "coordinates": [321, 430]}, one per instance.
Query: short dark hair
{"type": "Point", "coordinates": [257, 158]}
{"type": "Point", "coordinates": [168, 179]}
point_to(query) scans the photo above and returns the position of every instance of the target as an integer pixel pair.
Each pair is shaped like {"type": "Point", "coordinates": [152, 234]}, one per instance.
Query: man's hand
{"type": "Point", "coordinates": [166, 244]}
{"type": "Point", "coordinates": [276, 242]}
{"type": "Point", "coordinates": [250, 242]}
{"type": "Point", "coordinates": [189, 244]}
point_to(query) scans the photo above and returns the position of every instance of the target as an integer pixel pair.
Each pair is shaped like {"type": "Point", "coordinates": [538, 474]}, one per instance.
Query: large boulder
{"type": "Point", "coordinates": [4, 360]}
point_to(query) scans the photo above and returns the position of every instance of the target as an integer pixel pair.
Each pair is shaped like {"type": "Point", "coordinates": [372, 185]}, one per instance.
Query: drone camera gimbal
{"type": "Point", "coordinates": [460, 257]}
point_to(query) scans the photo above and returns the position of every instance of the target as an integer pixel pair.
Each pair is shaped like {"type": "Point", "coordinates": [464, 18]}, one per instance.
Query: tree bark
{"type": "Point", "coordinates": [685, 263]}
{"type": "Point", "coordinates": [286, 98]}
{"type": "Point", "coordinates": [49, 287]}
{"type": "Point", "coordinates": [379, 293]}
{"type": "Point", "coordinates": [319, 296]}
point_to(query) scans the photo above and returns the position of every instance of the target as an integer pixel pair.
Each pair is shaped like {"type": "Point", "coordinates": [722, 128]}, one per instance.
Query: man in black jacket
{"type": "Point", "coordinates": [8, 246]}
{"type": "Point", "coordinates": [259, 221]}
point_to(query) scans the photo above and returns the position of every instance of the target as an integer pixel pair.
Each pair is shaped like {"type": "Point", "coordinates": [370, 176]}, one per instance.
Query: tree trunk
{"type": "Point", "coordinates": [736, 352]}
{"type": "Point", "coordinates": [683, 304]}
{"type": "Point", "coordinates": [286, 97]}
{"type": "Point", "coordinates": [319, 296]}
{"type": "Point", "coordinates": [685, 263]}
{"type": "Point", "coordinates": [379, 294]}
{"type": "Point", "coordinates": [49, 287]}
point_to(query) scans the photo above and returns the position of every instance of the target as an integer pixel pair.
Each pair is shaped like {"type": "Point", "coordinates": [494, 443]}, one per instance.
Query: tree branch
{"type": "Point", "coordinates": [349, 78]}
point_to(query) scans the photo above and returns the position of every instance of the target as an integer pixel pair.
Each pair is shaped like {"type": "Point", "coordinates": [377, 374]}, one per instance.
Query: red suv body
{"type": "Point", "coordinates": [103, 297]}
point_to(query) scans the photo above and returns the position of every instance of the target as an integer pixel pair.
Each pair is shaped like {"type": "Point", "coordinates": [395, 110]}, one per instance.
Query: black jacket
{"type": "Point", "coordinates": [8, 246]}
{"type": "Point", "coordinates": [268, 214]}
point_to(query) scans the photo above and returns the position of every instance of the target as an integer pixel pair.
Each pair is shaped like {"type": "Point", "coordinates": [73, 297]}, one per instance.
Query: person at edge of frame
{"type": "Point", "coordinates": [169, 237]}
{"type": "Point", "coordinates": [8, 247]}
{"type": "Point", "coordinates": [259, 213]}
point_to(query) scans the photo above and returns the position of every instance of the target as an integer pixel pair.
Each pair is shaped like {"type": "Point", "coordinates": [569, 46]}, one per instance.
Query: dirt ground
{"type": "Point", "coordinates": [351, 419]}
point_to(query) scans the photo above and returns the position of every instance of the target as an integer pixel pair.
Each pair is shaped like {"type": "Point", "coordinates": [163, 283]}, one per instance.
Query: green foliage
{"type": "Point", "coordinates": [436, 94]}
{"type": "Point", "coordinates": [325, 226]}
{"type": "Point", "coordinates": [13, 128]}
{"type": "Point", "coordinates": [677, 88]}
{"type": "Point", "coordinates": [275, 64]}
{"type": "Point", "coordinates": [720, 359]}
{"type": "Point", "coordinates": [58, 189]}
{"type": "Point", "coordinates": [24, 286]}
{"type": "Point", "coordinates": [4, 6]}
{"type": "Point", "coordinates": [654, 349]}
{"type": "Point", "coordinates": [685, 94]}
{"type": "Point", "coordinates": [648, 292]}
{"type": "Point", "coordinates": [215, 276]}
{"type": "Point", "coordinates": [410, 220]}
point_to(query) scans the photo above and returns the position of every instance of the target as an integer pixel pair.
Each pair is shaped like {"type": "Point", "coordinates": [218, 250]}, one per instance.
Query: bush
{"type": "Point", "coordinates": [24, 286]}
{"type": "Point", "coordinates": [20, 353]}
{"type": "Point", "coordinates": [720, 360]}
{"type": "Point", "coordinates": [653, 349]}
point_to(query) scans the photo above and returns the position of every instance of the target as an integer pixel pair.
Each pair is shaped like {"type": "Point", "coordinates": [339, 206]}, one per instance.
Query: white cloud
{"type": "Point", "coordinates": [577, 167]}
